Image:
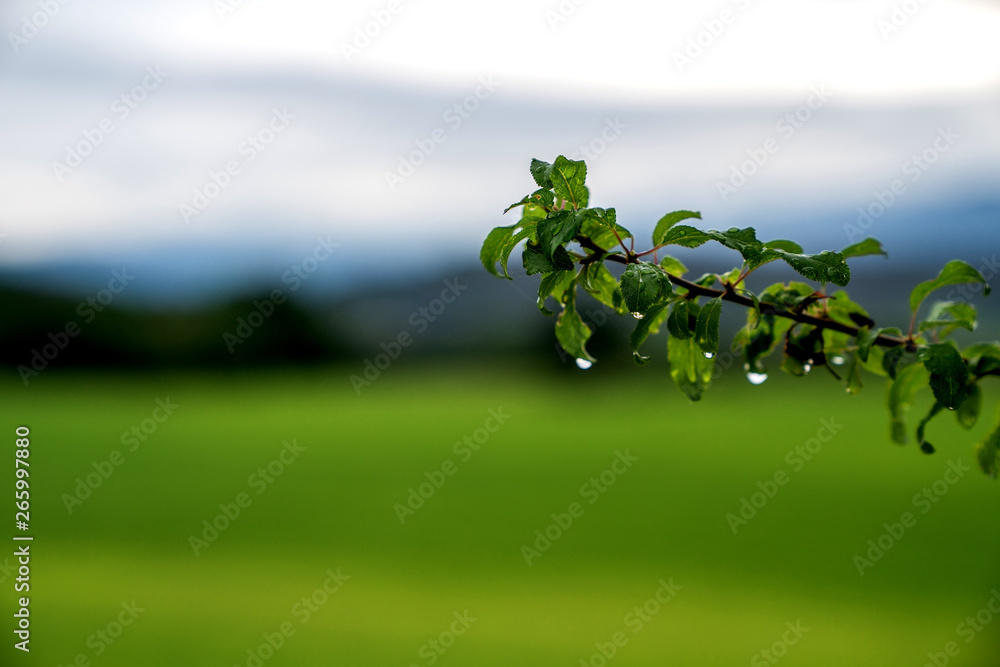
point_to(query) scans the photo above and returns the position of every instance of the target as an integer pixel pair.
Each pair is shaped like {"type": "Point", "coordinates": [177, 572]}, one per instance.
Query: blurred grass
{"type": "Point", "coordinates": [333, 508]}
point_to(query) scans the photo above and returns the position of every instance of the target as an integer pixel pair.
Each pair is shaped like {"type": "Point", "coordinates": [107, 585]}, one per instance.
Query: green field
{"type": "Point", "coordinates": [332, 508]}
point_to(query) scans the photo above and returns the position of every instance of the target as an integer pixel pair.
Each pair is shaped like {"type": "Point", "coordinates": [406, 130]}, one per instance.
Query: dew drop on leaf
{"type": "Point", "coordinates": [708, 355]}
{"type": "Point", "coordinates": [638, 316]}
{"type": "Point", "coordinates": [806, 368]}
{"type": "Point", "coordinates": [837, 361]}
{"type": "Point", "coordinates": [757, 378]}
{"type": "Point", "coordinates": [584, 364]}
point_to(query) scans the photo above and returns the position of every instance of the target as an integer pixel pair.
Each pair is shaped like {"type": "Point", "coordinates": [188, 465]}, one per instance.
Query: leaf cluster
{"type": "Point", "coordinates": [570, 244]}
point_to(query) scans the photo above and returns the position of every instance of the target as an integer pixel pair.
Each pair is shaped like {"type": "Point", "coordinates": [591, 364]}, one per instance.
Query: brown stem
{"type": "Point", "coordinates": [883, 340]}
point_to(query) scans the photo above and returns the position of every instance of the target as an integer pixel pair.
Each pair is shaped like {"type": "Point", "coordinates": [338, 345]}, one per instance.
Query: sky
{"type": "Point", "coordinates": [404, 128]}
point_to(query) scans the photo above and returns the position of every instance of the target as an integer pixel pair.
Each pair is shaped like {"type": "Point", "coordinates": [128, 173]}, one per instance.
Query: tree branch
{"type": "Point", "coordinates": [601, 254]}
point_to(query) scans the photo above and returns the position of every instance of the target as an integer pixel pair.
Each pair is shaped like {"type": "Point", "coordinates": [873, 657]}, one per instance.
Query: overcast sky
{"type": "Point", "coordinates": [129, 125]}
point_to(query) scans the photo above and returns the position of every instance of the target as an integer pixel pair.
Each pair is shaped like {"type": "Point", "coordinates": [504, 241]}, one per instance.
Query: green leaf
{"type": "Point", "coordinates": [707, 329]}
{"type": "Point", "coordinates": [760, 341]}
{"type": "Point", "coordinates": [687, 237]}
{"type": "Point", "coordinates": [949, 373]}
{"type": "Point", "coordinates": [754, 314]}
{"type": "Point", "coordinates": [553, 284]}
{"type": "Point", "coordinates": [744, 241]}
{"type": "Point", "coordinates": [802, 347]}
{"type": "Point", "coordinates": [541, 199]}
{"type": "Point", "coordinates": [571, 331]}
{"type": "Point", "coordinates": [900, 396]}
{"type": "Point", "coordinates": [782, 244]}
{"type": "Point", "coordinates": [921, 440]}
{"type": "Point", "coordinates": [842, 309]}
{"type": "Point", "coordinates": [950, 315]}
{"type": "Point", "coordinates": [983, 357]}
{"type": "Point", "coordinates": [600, 226]}
{"type": "Point", "coordinates": [511, 244]}
{"type": "Point", "coordinates": [668, 221]}
{"type": "Point", "coordinates": [874, 364]}
{"type": "Point", "coordinates": [866, 338]}
{"type": "Point", "coordinates": [730, 277]}
{"type": "Point", "coordinates": [988, 452]}
{"type": "Point", "coordinates": [645, 327]}
{"type": "Point", "coordinates": [535, 261]}
{"type": "Point", "coordinates": [600, 284]}
{"type": "Point", "coordinates": [673, 266]}
{"type": "Point", "coordinates": [852, 381]}
{"type": "Point", "coordinates": [768, 254]}
{"type": "Point", "coordinates": [689, 368]}
{"type": "Point", "coordinates": [955, 272]}
{"type": "Point", "coordinates": [968, 413]}
{"type": "Point", "coordinates": [568, 177]}
{"type": "Point", "coordinates": [826, 267]}
{"type": "Point", "coordinates": [643, 285]}
{"type": "Point", "coordinates": [495, 241]}
{"type": "Point", "coordinates": [556, 230]}
{"type": "Point", "coordinates": [542, 173]}
{"type": "Point", "coordinates": [863, 248]}
{"type": "Point", "coordinates": [683, 319]}
{"type": "Point", "coordinates": [891, 360]}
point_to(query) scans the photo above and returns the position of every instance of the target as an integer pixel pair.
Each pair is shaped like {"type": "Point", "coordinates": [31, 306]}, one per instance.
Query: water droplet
{"type": "Point", "coordinates": [757, 378]}
{"type": "Point", "coordinates": [837, 361]}
{"type": "Point", "coordinates": [806, 368]}
{"type": "Point", "coordinates": [638, 316]}
{"type": "Point", "coordinates": [708, 355]}
{"type": "Point", "coordinates": [584, 364]}
{"type": "Point", "coordinates": [951, 408]}
{"type": "Point", "coordinates": [733, 230]}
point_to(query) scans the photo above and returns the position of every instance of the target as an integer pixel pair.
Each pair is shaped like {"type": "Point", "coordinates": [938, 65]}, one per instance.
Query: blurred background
{"type": "Point", "coordinates": [242, 297]}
